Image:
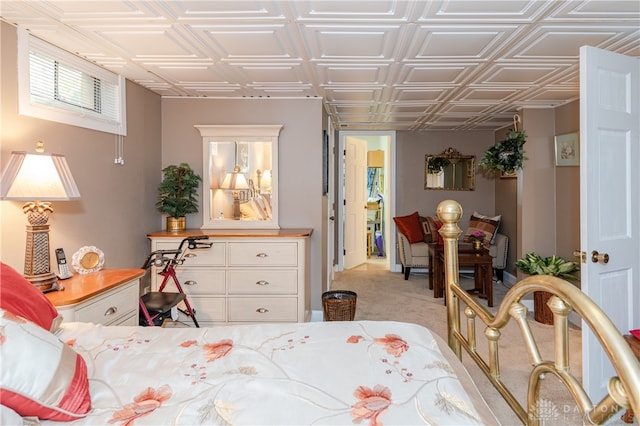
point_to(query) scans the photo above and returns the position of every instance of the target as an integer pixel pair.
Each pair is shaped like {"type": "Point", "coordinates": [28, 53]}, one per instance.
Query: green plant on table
{"type": "Point", "coordinates": [534, 264]}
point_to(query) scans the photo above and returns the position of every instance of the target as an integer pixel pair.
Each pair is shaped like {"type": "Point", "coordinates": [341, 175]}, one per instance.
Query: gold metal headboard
{"type": "Point", "coordinates": [623, 390]}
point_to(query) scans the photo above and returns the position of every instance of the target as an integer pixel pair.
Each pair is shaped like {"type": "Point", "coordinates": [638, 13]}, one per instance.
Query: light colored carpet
{"type": "Point", "coordinates": [385, 295]}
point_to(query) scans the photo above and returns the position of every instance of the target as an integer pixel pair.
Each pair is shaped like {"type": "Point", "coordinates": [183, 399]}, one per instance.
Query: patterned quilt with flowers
{"type": "Point", "coordinates": [361, 372]}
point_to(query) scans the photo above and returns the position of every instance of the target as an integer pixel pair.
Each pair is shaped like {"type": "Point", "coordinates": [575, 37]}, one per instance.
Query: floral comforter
{"type": "Point", "coordinates": [357, 372]}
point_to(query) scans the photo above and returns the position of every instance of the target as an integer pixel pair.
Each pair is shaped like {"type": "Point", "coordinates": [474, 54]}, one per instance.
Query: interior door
{"type": "Point", "coordinates": [609, 198]}
{"type": "Point", "coordinates": [355, 226]}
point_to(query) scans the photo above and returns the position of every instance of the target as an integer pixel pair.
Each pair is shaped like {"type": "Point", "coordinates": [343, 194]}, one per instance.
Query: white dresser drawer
{"type": "Point", "coordinates": [263, 309]}
{"type": "Point", "coordinates": [260, 282]}
{"type": "Point", "coordinates": [263, 254]}
{"type": "Point", "coordinates": [212, 256]}
{"type": "Point", "coordinates": [198, 281]}
{"type": "Point", "coordinates": [208, 309]}
{"type": "Point", "coordinates": [131, 320]}
{"type": "Point", "coordinates": [110, 308]}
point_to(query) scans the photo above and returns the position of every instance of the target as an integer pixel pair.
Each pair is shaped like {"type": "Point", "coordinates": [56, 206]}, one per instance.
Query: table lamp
{"type": "Point", "coordinates": [235, 181]}
{"type": "Point", "coordinates": [38, 178]}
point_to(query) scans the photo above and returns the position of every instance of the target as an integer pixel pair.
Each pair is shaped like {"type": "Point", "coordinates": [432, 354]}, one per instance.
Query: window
{"type": "Point", "coordinates": [59, 86]}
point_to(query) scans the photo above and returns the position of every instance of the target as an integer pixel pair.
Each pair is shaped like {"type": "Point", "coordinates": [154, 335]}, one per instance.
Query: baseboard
{"type": "Point", "coordinates": [317, 316]}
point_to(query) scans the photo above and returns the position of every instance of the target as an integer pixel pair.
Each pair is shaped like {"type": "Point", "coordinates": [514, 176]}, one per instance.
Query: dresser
{"type": "Point", "coordinates": [108, 297]}
{"type": "Point", "coordinates": [246, 276]}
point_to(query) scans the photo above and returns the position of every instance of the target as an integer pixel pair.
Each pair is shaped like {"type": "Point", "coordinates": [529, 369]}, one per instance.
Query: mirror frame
{"type": "Point", "coordinates": [233, 134]}
{"type": "Point", "coordinates": [451, 157]}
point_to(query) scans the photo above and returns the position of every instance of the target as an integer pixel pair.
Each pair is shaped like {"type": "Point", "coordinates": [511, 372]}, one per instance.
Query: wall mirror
{"type": "Point", "coordinates": [240, 176]}
{"type": "Point", "coordinates": [450, 170]}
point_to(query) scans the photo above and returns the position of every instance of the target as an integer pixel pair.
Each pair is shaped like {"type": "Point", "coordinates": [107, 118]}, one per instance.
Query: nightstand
{"type": "Point", "coordinates": [108, 297]}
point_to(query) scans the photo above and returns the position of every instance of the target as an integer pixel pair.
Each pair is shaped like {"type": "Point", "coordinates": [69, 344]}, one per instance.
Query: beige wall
{"type": "Point", "coordinates": [507, 206]}
{"type": "Point", "coordinates": [567, 120]}
{"type": "Point", "coordinates": [411, 148]}
{"type": "Point", "coordinates": [300, 156]}
{"type": "Point", "coordinates": [116, 209]}
{"type": "Point", "coordinates": [547, 220]}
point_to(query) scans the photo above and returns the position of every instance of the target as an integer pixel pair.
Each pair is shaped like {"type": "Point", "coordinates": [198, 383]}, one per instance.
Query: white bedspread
{"type": "Point", "coordinates": [358, 372]}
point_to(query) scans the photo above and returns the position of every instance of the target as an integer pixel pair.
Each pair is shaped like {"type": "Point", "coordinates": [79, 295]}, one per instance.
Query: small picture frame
{"type": "Point", "coordinates": [242, 156]}
{"type": "Point", "coordinates": [568, 149]}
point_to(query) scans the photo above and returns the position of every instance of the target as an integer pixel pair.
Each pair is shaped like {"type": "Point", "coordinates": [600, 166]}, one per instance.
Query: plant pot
{"type": "Point", "coordinates": [541, 311]}
{"type": "Point", "coordinates": [477, 244]}
{"type": "Point", "coordinates": [176, 224]}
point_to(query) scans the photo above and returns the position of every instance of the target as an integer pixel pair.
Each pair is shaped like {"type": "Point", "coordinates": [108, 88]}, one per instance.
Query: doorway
{"type": "Point", "coordinates": [368, 237]}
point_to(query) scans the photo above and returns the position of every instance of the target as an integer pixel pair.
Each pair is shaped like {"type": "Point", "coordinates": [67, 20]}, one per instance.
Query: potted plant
{"type": "Point", "coordinates": [506, 156]}
{"type": "Point", "coordinates": [477, 238]}
{"type": "Point", "coordinates": [436, 164]}
{"type": "Point", "coordinates": [534, 264]}
{"type": "Point", "coordinates": [177, 195]}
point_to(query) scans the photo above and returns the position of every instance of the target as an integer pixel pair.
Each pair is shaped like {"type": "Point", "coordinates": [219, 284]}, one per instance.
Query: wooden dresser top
{"type": "Point", "coordinates": [240, 233]}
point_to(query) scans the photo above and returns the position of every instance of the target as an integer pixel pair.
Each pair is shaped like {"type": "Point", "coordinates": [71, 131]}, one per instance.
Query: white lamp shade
{"type": "Point", "coordinates": [38, 176]}
{"type": "Point", "coordinates": [234, 180]}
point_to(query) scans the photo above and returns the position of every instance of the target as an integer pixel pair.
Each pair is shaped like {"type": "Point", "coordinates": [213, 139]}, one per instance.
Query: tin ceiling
{"type": "Point", "coordinates": [378, 65]}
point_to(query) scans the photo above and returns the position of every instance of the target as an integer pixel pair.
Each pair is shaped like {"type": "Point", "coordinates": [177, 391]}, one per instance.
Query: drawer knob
{"type": "Point", "coordinates": [190, 282]}
{"type": "Point", "coordinates": [111, 311]}
{"type": "Point", "coordinates": [262, 310]}
{"type": "Point", "coordinates": [262, 255]}
{"type": "Point", "coordinates": [262, 282]}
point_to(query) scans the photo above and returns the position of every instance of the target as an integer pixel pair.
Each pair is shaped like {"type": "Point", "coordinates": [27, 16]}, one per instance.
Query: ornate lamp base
{"type": "Point", "coordinates": [37, 269]}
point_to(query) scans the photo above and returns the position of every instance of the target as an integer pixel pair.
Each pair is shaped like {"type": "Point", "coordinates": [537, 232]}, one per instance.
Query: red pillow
{"type": "Point", "coordinates": [41, 376]}
{"type": "Point", "coordinates": [20, 297]}
{"type": "Point", "coordinates": [410, 226]}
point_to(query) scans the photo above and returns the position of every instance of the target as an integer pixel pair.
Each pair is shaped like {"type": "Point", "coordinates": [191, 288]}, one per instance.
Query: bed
{"type": "Point", "coordinates": [351, 372]}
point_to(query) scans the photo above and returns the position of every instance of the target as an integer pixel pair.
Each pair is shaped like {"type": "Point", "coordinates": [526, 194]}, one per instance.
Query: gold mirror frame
{"type": "Point", "coordinates": [450, 170]}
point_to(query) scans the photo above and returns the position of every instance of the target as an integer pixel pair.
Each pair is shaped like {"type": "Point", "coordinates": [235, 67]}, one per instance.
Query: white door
{"type": "Point", "coordinates": [609, 198]}
{"type": "Point", "coordinates": [355, 214]}
{"type": "Point", "coordinates": [331, 207]}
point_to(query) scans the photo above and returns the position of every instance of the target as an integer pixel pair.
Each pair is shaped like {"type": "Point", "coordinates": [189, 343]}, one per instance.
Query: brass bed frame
{"type": "Point", "coordinates": [623, 390]}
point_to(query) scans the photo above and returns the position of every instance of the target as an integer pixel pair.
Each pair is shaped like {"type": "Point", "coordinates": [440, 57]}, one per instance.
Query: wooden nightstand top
{"type": "Point", "coordinates": [81, 287]}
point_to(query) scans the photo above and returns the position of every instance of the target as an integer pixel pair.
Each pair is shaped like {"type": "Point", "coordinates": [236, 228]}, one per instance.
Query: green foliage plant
{"type": "Point", "coordinates": [436, 164]}
{"type": "Point", "coordinates": [534, 264]}
{"type": "Point", "coordinates": [506, 156]}
{"type": "Point", "coordinates": [178, 191]}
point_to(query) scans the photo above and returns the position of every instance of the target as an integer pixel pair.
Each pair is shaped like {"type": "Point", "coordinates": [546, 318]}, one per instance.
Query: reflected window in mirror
{"type": "Point", "coordinates": [450, 170]}
{"type": "Point", "coordinates": [240, 176]}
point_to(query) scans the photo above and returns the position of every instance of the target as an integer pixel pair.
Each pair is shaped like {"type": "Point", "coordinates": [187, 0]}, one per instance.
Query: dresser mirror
{"type": "Point", "coordinates": [450, 170]}
{"type": "Point", "coordinates": [240, 176]}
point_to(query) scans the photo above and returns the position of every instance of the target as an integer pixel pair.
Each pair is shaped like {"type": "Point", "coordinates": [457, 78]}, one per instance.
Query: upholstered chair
{"type": "Point", "coordinates": [412, 255]}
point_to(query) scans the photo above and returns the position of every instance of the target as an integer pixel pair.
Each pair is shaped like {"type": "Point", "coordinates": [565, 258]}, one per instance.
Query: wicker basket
{"type": "Point", "coordinates": [339, 305]}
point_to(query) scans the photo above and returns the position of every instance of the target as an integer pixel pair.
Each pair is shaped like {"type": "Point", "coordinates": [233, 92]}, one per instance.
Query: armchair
{"type": "Point", "coordinates": [412, 255]}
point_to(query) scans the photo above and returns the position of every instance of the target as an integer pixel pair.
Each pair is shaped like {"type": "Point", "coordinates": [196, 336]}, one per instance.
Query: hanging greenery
{"type": "Point", "coordinates": [507, 156]}
{"type": "Point", "coordinates": [436, 164]}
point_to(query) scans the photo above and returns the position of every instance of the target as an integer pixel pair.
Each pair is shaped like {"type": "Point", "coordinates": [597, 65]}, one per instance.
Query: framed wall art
{"type": "Point", "coordinates": [568, 149]}
{"type": "Point", "coordinates": [242, 156]}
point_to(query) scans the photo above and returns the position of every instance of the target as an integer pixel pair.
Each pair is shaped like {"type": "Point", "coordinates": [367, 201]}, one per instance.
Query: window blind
{"type": "Point", "coordinates": [66, 88]}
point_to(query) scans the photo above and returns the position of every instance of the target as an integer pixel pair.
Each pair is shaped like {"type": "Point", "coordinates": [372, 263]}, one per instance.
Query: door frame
{"type": "Point", "coordinates": [390, 198]}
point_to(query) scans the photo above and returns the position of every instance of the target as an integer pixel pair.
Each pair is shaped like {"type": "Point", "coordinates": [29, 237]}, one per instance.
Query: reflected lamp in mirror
{"type": "Point", "coordinates": [450, 170]}
{"type": "Point", "coordinates": [264, 181]}
{"type": "Point", "coordinates": [38, 178]}
{"type": "Point", "coordinates": [235, 181]}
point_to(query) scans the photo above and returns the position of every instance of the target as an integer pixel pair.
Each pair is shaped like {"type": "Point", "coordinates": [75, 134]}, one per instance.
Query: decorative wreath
{"type": "Point", "coordinates": [506, 156]}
